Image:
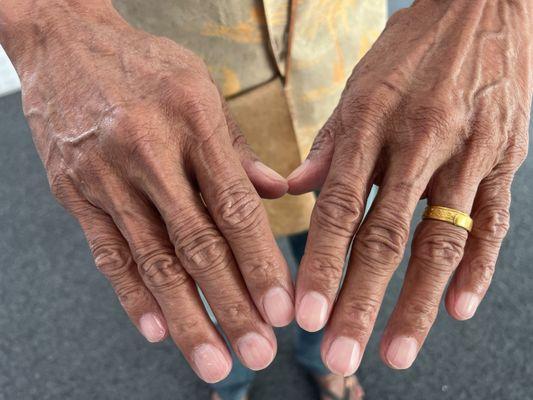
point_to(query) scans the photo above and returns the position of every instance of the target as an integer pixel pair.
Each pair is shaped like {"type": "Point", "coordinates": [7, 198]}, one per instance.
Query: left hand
{"type": "Point", "coordinates": [438, 108]}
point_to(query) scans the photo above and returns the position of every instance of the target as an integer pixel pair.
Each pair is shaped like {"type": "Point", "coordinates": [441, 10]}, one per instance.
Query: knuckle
{"type": "Point", "coordinates": [132, 296]}
{"type": "Point", "coordinates": [239, 142]}
{"type": "Point", "coordinates": [261, 270]}
{"type": "Point", "coordinates": [239, 208]}
{"type": "Point", "coordinates": [339, 210]}
{"type": "Point", "coordinates": [130, 133]}
{"type": "Point", "coordinates": [192, 104]}
{"type": "Point", "coordinates": [160, 270]}
{"type": "Point", "coordinates": [122, 120]}
{"type": "Point", "coordinates": [518, 149]}
{"type": "Point", "coordinates": [361, 312]}
{"type": "Point", "coordinates": [382, 240]}
{"type": "Point", "coordinates": [439, 252]}
{"type": "Point", "coordinates": [184, 324]}
{"type": "Point", "coordinates": [203, 252]}
{"type": "Point", "coordinates": [492, 223]}
{"type": "Point", "coordinates": [325, 268]}
{"type": "Point", "coordinates": [326, 136]}
{"type": "Point", "coordinates": [431, 118]}
{"type": "Point", "coordinates": [196, 102]}
{"type": "Point", "coordinates": [62, 188]}
{"type": "Point", "coordinates": [113, 260]}
{"type": "Point", "coordinates": [233, 314]}
{"type": "Point", "coordinates": [420, 313]}
{"type": "Point", "coordinates": [481, 269]}
{"type": "Point", "coordinates": [367, 110]}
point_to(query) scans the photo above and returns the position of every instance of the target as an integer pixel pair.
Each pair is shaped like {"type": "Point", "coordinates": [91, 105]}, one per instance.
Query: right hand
{"type": "Point", "coordinates": [138, 146]}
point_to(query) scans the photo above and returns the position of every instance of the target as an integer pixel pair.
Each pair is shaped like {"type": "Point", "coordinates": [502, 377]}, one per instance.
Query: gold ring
{"type": "Point", "coordinates": [455, 217]}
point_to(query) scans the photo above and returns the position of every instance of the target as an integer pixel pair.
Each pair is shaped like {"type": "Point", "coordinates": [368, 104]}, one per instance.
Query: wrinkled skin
{"type": "Point", "coordinates": [438, 108]}
{"type": "Point", "coordinates": [131, 130]}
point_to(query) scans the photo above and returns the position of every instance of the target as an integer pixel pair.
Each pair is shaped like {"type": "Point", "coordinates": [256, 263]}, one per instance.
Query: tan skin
{"type": "Point", "coordinates": [132, 131]}
{"type": "Point", "coordinates": [438, 108]}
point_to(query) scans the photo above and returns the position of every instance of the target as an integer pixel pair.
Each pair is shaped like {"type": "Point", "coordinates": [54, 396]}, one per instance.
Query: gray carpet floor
{"type": "Point", "coordinates": [63, 334]}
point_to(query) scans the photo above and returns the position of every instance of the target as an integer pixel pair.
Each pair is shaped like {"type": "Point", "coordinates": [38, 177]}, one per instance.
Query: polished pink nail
{"type": "Point", "coordinates": [210, 363]}
{"type": "Point", "coordinates": [343, 356]}
{"type": "Point", "coordinates": [312, 312]}
{"type": "Point", "coordinates": [278, 307]}
{"type": "Point", "coordinates": [466, 304]}
{"type": "Point", "coordinates": [402, 352]}
{"type": "Point", "coordinates": [256, 351]}
{"type": "Point", "coordinates": [152, 328]}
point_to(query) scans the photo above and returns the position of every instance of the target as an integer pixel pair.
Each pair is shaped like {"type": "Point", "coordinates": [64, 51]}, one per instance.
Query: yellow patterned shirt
{"type": "Point", "coordinates": [309, 47]}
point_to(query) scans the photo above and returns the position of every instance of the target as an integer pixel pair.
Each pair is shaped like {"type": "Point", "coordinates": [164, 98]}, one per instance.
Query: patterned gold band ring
{"type": "Point", "coordinates": [450, 215]}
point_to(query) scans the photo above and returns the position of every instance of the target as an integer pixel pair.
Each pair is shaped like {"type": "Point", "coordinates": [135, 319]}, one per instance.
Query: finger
{"type": "Point", "coordinates": [113, 258]}
{"type": "Point", "coordinates": [436, 251]}
{"type": "Point", "coordinates": [312, 173]}
{"type": "Point", "coordinates": [336, 216]}
{"type": "Point", "coordinates": [268, 183]}
{"type": "Point", "coordinates": [189, 325]}
{"type": "Point", "coordinates": [207, 258]}
{"type": "Point", "coordinates": [240, 216]}
{"type": "Point", "coordinates": [376, 252]}
{"type": "Point", "coordinates": [491, 223]}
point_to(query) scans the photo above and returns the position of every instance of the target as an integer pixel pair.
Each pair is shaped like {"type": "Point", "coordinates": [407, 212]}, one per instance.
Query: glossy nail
{"type": "Point", "coordinates": [312, 312]}
{"type": "Point", "coordinates": [278, 307]}
{"type": "Point", "coordinates": [466, 304]}
{"type": "Point", "coordinates": [343, 356]}
{"type": "Point", "coordinates": [152, 328]}
{"type": "Point", "coordinates": [402, 352]}
{"type": "Point", "coordinates": [210, 363]}
{"type": "Point", "coordinates": [256, 351]}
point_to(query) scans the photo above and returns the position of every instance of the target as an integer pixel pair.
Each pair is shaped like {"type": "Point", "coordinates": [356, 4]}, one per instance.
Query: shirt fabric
{"type": "Point", "coordinates": [285, 60]}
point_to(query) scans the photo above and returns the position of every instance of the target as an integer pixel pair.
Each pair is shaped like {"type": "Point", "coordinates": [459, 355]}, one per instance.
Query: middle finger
{"type": "Point", "coordinates": [377, 251]}
{"type": "Point", "coordinates": [207, 258]}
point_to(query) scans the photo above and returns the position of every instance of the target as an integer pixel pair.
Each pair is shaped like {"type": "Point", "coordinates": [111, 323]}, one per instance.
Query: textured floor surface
{"type": "Point", "coordinates": [64, 336]}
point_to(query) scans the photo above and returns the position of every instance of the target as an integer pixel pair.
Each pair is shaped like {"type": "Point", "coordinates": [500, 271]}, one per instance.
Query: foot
{"type": "Point", "coordinates": [333, 387]}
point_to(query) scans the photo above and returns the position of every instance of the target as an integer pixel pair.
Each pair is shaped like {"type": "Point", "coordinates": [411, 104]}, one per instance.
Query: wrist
{"type": "Point", "coordinates": [28, 25]}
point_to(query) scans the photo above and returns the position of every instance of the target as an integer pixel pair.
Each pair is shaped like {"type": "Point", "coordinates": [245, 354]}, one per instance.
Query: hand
{"type": "Point", "coordinates": [132, 131]}
{"type": "Point", "coordinates": [438, 108]}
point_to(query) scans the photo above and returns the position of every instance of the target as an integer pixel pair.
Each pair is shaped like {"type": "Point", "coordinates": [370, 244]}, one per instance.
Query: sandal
{"type": "Point", "coordinates": [352, 390]}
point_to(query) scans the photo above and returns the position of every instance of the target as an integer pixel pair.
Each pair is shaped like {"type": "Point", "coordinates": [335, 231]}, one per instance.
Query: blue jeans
{"type": "Point", "coordinates": [307, 346]}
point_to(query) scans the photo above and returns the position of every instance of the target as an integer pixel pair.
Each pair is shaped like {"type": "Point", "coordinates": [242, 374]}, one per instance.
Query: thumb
{"type": "Point", "coordinates": [268, 183]}
{"type": "Point", "coordinates": [312, 173]}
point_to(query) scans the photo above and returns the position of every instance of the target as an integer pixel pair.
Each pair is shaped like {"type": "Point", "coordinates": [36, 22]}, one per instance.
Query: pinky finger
{"type": "Point", "coordinates": [113, 258]}
{"type": "Point", "coordinates": [491, 223]}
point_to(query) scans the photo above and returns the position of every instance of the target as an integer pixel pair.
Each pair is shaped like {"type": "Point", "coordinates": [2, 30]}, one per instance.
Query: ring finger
{"type": "Point", "coordinates": [437, 249]}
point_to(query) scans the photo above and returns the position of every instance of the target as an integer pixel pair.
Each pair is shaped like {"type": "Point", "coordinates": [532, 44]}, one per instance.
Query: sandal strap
{"type": "Point", "coordinates": [325, 392]}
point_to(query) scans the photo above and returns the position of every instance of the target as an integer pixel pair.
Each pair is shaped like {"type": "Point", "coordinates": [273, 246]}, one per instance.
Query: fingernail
{"type": "Point", "coordinates": [269, 171]}
{"type": "Point", "coordinates": [278, 307]}
{"type": "Point", "coordinates": [312, 312]}
{"type": "Point", "coordinates": [343, 356]}
{"type": "Point", "coordinates": [152, 328]}
{"type": "Point", "coordinates": [210, 363]}
{"type": "Point", "coordinates": [466, 304]}
{"type": "Point", "coordinates": [256, 351]}
{"type": "Point", "coordinates": [298, 171]}
{"type": "Point", "coordinates": [402, 352]}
